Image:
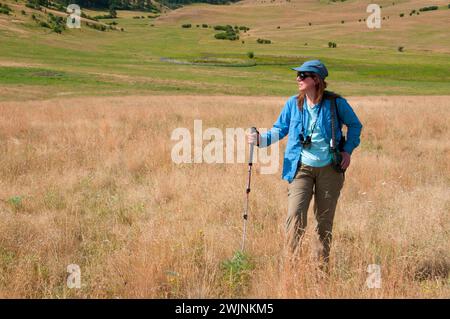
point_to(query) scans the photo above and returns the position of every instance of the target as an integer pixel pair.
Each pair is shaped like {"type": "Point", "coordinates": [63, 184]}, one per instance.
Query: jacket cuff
{"type": "Point", "coordinates": [348, 149]}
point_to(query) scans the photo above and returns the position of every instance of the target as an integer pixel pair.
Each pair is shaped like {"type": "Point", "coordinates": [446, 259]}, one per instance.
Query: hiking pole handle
{"type": "Point", "coordinates": [252, 130]}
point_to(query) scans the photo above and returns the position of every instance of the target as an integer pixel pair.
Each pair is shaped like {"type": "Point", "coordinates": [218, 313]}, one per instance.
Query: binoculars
{"type": "Point", "coordinates": [306, 143]}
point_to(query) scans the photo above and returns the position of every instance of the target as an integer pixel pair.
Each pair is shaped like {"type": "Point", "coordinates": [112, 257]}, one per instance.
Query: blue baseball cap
{"type": "Point", "coordinates": [315, 66]}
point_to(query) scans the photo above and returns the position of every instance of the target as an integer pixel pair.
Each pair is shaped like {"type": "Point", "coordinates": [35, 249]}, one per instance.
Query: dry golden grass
{"type": "Point", "coordinates": [90, 181]}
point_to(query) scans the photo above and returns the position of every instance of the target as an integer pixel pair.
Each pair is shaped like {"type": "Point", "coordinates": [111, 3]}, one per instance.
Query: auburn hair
{"type": "Point", "coordinates": [320, 90]}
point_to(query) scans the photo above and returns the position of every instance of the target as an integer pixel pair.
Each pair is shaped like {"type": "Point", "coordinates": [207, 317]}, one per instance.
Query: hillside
{"type": "Point", "coordinates": [147, 53]}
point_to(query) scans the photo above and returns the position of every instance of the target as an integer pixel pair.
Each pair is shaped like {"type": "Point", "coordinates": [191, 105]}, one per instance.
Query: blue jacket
{"type": "Point", "coordinates": [290, 122]}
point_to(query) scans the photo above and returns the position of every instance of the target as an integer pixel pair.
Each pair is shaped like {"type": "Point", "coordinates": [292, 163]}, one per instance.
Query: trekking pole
{"type": "Point", "coordinates": [250, 163]}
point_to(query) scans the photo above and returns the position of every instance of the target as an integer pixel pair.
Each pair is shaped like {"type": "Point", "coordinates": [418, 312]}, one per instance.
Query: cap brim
{"type": "Point", "coordinates": [305, 69]}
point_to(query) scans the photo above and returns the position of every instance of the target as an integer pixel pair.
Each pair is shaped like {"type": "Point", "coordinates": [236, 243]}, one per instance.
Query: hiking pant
{"type": "Point", "coordinates": [326, 184]}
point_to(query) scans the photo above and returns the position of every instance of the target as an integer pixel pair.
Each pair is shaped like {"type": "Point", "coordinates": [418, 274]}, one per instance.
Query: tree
{"type": "Point", "coordinates": [112, 12]}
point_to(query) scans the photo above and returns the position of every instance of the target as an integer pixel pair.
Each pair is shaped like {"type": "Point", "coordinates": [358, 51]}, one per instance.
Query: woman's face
{"type": "Point", "coordinates": [306, 81]}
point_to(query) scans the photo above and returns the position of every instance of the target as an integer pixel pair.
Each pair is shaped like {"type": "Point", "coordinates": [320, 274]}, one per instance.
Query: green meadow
{"type": "Point", "coordinates": [158, 56]}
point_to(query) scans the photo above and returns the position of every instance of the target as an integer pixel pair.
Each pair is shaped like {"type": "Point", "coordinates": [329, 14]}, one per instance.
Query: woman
{"type": "Point", "coordinates": [309, 165]}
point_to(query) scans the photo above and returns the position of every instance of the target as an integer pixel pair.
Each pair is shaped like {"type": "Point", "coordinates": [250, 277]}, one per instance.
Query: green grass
{"type": "Point", "coordinates": [236, 273]}
{"type": "Point", "coordinates": [91, 62]}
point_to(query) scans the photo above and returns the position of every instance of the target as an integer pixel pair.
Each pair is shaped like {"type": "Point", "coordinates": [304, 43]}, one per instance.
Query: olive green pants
{"type": "Point", "coordinates": [326, 184]}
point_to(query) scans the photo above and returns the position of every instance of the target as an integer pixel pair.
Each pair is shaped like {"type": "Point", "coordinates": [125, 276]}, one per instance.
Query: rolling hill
{"type": "Point", "coordinates": [152, 53]}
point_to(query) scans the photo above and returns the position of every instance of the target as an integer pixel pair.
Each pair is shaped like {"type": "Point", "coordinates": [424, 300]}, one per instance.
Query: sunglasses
{"type": "Point", "coordinates": [303, 75]}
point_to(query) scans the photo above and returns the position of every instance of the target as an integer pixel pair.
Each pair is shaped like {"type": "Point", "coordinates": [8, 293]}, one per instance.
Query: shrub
{"type": "Point", "coordinates": [236, 273]}
{"type": "Point", "coordinates": [187, 25]}
{"type": "Point", "coordinates": [112, 12]}
{"type": "Point", "coordinates": [107, 16]}
{"type": "Point", "coordinates": [226, 36]}
{"type": "Point", "coordinates": [5, 9]}
{"type": "Point", "coordinates": [83, 15]}
{"type": "Point", "coordinates": [402, 15]}
{"type": "Point", "coordinates": [231, 33]}
{"type": "Point", "coordinates": [60, 7]}
{"type": "Point", "coordinates": [430, 8]}
{"type": "Point", "coordinates": [33, 4]}
{"type": "Point", "coordinates": [99, 27]}
{"type": "Point", "coordinates": [23, 12]}
{"type": "Point", "coordinates": [223, 27]}
{"type": "Point", "coordinates": [400, 49]}
{"type": "Point", "coordinates": [16, 202]}
{"type": "Point", "coordinates": [44, 24]}
{"type": "Point", "coordinates": [204, 25]}
{"type": "Point", "coordinates": [220, 36]}
{"type": "Point", "coordinates": [264, 41]}
{"type": "Point", "coordinates": [251, 55]}
{"type": "Point", "coordinates": [55, 23]}
{"type": "Point", "coordinates": [57, 29]}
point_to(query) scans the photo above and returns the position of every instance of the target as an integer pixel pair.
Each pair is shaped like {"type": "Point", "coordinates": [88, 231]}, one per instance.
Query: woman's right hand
{"type": "Point", "coordinates": [252, 138]}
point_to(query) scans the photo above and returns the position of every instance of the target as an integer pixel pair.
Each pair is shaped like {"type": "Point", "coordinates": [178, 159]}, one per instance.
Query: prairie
{"type": "Point", "coordinates": [90, 181]}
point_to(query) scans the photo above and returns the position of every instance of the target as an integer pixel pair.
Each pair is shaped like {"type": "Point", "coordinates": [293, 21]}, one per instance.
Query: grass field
{"type": "Point", "coordinates": [35, 62]}
{"type": "Point", "coordinates": [90, 181]}
{"type": "Point", "coordinates": [86, 175]}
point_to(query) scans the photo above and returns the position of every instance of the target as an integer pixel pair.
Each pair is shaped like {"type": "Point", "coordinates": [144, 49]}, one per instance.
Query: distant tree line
{"type": "Point", "coordinates": [144, 5]}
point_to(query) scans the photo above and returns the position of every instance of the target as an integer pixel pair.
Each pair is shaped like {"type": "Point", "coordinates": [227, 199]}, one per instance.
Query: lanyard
{"type": "Point", "coordinates": [317, 119]}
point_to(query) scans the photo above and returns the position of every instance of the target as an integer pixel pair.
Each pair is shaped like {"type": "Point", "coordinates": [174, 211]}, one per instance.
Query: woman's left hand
{"type": "Point", "coordinates": [345, 160]}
